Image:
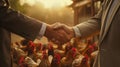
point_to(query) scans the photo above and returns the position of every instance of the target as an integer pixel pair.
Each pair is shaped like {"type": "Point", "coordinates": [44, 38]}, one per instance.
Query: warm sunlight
{"type": "Point", "coordinates": [29, 2]}
{"type": "Point", "coordinates": [55, 3]}
{"type": "Point", "coordinates": [48, 3]}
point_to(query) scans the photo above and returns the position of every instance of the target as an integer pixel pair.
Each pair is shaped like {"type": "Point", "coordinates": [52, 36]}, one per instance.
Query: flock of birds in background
{"type": "Point", "coordinates": [29, 54]}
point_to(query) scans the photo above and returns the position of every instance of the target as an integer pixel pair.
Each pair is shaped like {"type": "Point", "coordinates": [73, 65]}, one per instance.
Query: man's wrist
{"type": "Point", "coordinates": [77, 31]}
{"type": "Point", "coordinates": [42, 30]}
{"type": "Point", "coordinates": [72, 33]}
{"type": "Point", "coordinates": [48, 31]}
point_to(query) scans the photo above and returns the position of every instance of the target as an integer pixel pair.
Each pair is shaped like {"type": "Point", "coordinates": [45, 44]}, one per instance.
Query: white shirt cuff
{"type": "Point", "coordinates": [77, 31]}
{"type": "Point", "coordinates": [42, 31]}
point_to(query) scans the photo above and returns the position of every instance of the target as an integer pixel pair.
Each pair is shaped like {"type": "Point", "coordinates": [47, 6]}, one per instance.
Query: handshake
{"type": "Point", "coordinates": [59, 33]}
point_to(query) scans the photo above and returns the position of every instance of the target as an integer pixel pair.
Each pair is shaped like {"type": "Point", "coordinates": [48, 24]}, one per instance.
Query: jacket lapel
{"type": "Point", "coordinates": [105, 12]}
{"type": "Point", "coordinates": [114, 7]}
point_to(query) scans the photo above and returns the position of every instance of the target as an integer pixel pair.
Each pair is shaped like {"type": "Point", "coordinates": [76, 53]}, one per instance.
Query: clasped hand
{"type": "Point", "coordinates": [59, 33]}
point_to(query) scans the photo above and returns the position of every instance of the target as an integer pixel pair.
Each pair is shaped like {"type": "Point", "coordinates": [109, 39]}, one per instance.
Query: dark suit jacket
{"type": "Point", "coordinates": [107, 21]}
{"type": "Point", "coordinates": [13, 21]}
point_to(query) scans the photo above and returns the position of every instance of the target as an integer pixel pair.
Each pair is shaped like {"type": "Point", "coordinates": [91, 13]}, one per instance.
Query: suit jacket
{"type": "Point", "coordinates": [13, 21]}
{"type": "Point", "coordinates": [107, 21]}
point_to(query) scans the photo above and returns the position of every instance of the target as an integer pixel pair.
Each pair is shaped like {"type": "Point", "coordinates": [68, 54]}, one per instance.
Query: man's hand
{"type": "Point", "coordinates": [58, 35]}
{"type": "Point", "coordinates": [64, 30]}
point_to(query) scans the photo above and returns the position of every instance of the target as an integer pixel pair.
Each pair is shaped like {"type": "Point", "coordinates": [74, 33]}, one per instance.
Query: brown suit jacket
{"type": "Point", "coordinates": [107, 21]}
{"type": "Point", "coordinates": [13, 21]}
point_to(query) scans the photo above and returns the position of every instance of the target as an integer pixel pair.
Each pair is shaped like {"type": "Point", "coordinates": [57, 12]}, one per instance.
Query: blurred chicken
{"type": "Point", "coordinates": [91, 48]}
{"type": "Point", "coordinates": [44, 61]}
{"type": "Point", "coordinates": [60, 52]}
{"type": "Point", "coordinates": [68, 59]}
{"type": "Point", "coordinates": [37, 54]}
{"type": "Point", "coordinates": [30, 48]}
{"type": "Point", "coordinates": [18, 54]}
{"type": "Point", "coordinates": [44, 47]}
{"type": "Point", "coordinates": [31, 63]}
{"type": "Point", "coordinates": [50, 49]}
{"type": "Point", "coordinates": [38, 47]}
{"type": "Point", "coordinates": [92, 58]}
{"type": "Point", "coordinates": [68, 47]}
{"type": "Point", "coordinates": [21, 62]}
{"type": "Point", "coordinates": [85, 61]}
{"type": "Point", "coordinates": [77, 61]}
{"type": "Point", "coordinates": [56, 60]}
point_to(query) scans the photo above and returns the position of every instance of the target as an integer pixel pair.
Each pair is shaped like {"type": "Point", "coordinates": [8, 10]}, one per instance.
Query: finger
{"type": "Point", "coordinates": [63, 37]}
{"type": "Point", "coordinates": [56, 25]}
{"type": "Point", "coordinates": [63, 27]}
{"type": "Point", "coordinates": [60, 37]}
{"type": "Point", "coordinates": [66, 29]}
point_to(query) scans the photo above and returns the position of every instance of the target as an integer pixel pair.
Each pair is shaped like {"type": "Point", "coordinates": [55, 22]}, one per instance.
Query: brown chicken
{"type": "Point", "coordinates": [68, 59]}
{"type": "Point", "coordinates": [56, 60]}
{"type": "Point", "coordinates": [44, 61]}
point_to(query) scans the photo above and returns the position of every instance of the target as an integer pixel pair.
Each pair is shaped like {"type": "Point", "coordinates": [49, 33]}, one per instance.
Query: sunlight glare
{"type": "Point", "coordinates": [47, 3]}
{"type": "Point", "coordinates": [55, 3]}
{"type": "Point", "coordinates": [29, 2]}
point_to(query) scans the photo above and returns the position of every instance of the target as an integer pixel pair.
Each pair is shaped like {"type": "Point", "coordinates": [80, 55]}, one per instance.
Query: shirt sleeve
{"type": "Point", "coordinates": [77, 31]}
{"type": "Point", "coordinates": [42, 31]}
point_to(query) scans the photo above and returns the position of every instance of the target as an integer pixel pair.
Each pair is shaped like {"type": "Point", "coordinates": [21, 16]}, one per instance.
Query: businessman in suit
{"type": "Point", "coordinates": [107, 22]}
{"type": "Point", "coordinates": [29, 28]}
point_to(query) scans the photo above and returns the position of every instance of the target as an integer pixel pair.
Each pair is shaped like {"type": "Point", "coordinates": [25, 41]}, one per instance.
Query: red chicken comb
{"type": "Point", "coordinates": [21, 60]}
{"type": "Point", "coordinates": [44, 54]}
{"type": "Point", "coordinates": [85, 59]}
{"type": "Point", "coordinates": [74, 50]}
{"type": "Point", "coordinates": [91, 49]}
{"type": "Point", "coordinates": [50, 46]}
{"type": "Point", "coordinates": [32, 45]}
{"type": "Point", "coordinates": [58, 57]}
{"type": "Point", "coordinates": [39, 46]}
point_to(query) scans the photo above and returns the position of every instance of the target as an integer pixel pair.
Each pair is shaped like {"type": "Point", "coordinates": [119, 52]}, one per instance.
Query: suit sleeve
{"type": "Point", "coordinates": [91, 26]}
{"type": "Point", "coordinates": [20, 24]}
